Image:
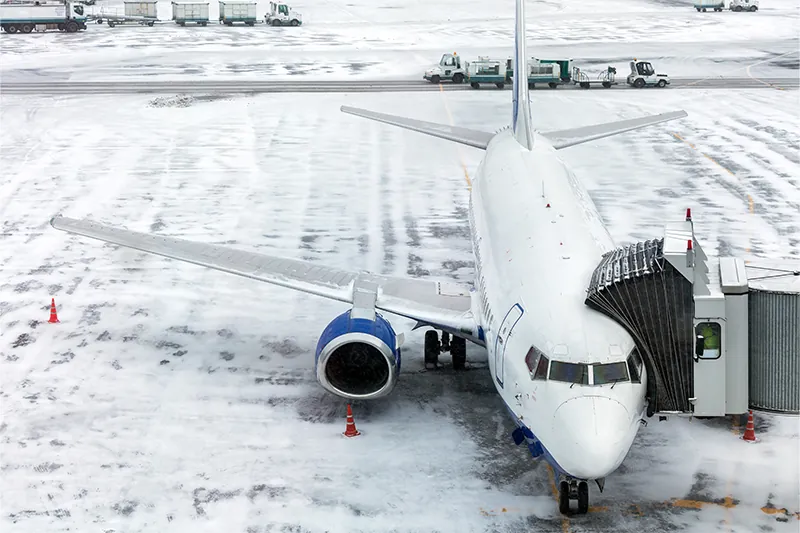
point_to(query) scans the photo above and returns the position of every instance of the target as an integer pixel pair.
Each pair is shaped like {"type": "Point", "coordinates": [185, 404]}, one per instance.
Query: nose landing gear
{"type": "Point", "coordinates": [572, 489]}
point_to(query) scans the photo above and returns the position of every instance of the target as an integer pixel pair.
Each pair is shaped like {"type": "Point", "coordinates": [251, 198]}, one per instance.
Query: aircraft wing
{"type": "Point", "coordinates": [474, 138]}
{"type": "Point", "coordinates": [564, 138]}
{"type": "Point", "coordinates": [444, 305]}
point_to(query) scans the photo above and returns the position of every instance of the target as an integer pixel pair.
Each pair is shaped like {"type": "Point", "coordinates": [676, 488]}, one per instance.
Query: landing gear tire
{"type": "Point", "coordinates": [432, 350]}
{"type": "Point", "coordinates": [563, 497]}
{"type": "Point", "coordinates": [583, 497]}
{"type": "Point", "coordinates": [458, 350]}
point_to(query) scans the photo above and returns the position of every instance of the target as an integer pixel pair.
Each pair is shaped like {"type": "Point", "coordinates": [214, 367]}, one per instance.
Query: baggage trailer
{"type": "Point", "coordinates": [24, 18]}
{"type": "Point", "coordinates": [705, 5]}
{"type": "Point", "coordinates": [190, 12]}
{"type": "Point", "coordinates": [538, 72]}
{"type": "Point", "coordinates": [485, 70]}
{"type": "Point", "coordinates": [606, 78]}
{"type": "Point", "coordinates": [230, 12]}
{"type": "Point", "coordinates": [141, 12]}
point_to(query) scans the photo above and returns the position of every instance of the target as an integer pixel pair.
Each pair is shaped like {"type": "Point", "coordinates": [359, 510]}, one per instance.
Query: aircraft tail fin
{"type": "Point", "coordinates": [521, 123]}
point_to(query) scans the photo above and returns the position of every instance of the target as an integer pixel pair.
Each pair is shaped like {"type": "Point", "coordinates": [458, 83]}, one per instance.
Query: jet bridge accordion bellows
{"type": "Point", "coordinates": [637, 287]}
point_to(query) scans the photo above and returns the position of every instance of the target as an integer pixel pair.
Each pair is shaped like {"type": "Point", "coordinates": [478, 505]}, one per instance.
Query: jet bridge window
{"type": "Point", "coordinates": [569, 372]}
{"type": "Point", "coordinates": [709, 336]}
{"type": "Point", "coordinates": [537, 363]}
{"type": "Point", "coordinates": [610, 373]}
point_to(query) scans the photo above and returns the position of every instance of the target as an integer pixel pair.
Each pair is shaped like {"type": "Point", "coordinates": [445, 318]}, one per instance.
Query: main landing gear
{"type": "Point", "coordinates": [572, 489]}
{"type": "Point", "coordinates": [455, 345]}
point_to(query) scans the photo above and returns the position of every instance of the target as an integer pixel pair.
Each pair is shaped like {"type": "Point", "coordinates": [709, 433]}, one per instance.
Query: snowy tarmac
{"type": "Point", "coordinates": [200, 86]}
{"type": "Point", "coordinates": [174, 398]}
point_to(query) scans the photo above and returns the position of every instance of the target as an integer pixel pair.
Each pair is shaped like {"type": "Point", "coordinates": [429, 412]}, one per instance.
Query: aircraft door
{"type": "Point", "coordinates": [503, 334]}
{"type": "Point", "coordinates": [709, 368]}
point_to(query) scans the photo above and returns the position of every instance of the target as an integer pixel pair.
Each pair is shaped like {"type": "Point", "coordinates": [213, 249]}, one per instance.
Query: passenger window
{"type": "Point", "coordinates": [610, 373]}
{"type": "Point", "coordinates": [708, 342]}
{"type": "Point", "coordinates": [569, 372]}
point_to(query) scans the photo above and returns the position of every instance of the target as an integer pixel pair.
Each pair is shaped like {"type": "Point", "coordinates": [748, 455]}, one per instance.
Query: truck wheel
{"type": "Point", "coordinates": [27, 28]}
{"type": "Point", "coordinates": [150, 23]}
{"type": "Point", "coordinates": [11, 28]}
{"type": "Point", "coordinates": [276, 22]}
{"type": "Point", "coordinates": [500, 85]}
{"type": "Point", "coordinates": [458, 78]}
{"type": "Point", "coordinates": [435, 79]}
{"type": "Point", "coordinates": [475, 85]}
{"type": "Point", "coordinates": [71, 26]}
{"type": "Point", "coordinates": [204, 23]}
{"type": "Point", "coordinates": [553, 85]}
{"type": "Point", "coordinates": [639, 83]}
{"type": "Point", "coordinates": [584, 85]}
{"type": "Point", "coordinates": [295, 22]}
{"type": "Point", "coordinates": [531, 86]}
{"type": "Point", "coordinates": [662, 83]}
{"type": "Point", "coordinates": [753, 8]}
{"type": "Point", "coordinates": [607, 84]}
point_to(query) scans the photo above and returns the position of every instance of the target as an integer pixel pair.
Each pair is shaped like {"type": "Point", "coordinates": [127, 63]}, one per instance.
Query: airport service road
{"type": "Point", "coordinates": [319, 86]}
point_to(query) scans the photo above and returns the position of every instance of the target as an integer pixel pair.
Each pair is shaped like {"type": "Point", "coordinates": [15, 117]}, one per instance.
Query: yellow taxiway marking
{"type": "Point", "coordinates": [460, 153]}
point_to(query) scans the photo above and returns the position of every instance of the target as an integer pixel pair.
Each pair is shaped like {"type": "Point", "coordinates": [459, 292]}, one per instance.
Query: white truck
{"type": "Point", "coordinates": [282, 15]}
{"type": "Point", "coordinates": [643, 73]}
{"type": "Point", "coordinates": [743, 5]}
{"type": "Point", "coordinates": [450, 68]}
{"type": "Point", "coordinates": [41, 16]}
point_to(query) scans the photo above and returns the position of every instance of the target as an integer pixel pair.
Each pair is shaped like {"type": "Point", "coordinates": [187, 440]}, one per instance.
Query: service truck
{"type": "Point", "coordinates": [743, 5]}
{"type": "Point", "coordinates": [24, 18]}
{"type": "Point", "coordinates": [282, 15]}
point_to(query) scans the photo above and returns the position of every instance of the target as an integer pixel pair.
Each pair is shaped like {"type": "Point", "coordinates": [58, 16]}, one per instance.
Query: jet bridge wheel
{"type": "Point", "coordinates": [432, 350]}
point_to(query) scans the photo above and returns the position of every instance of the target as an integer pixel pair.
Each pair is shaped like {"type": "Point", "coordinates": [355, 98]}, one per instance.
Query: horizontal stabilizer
{"type": "Point", "coordinates": [564, 138]}
{"type": "Point", "coordinates": [474, 138]}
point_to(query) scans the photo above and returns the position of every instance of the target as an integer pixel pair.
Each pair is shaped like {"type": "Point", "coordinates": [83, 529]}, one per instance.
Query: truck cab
{"type": "Point", "coordinates": [282, 15]}
{"type": "Point", "coordinates": [450, 68]}
{"type": "Point", "coordinates": [743, 5]}
{"type": "Point", "coordinates": [643, 73]}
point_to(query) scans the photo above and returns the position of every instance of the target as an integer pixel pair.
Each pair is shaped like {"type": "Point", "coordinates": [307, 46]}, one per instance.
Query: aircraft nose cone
{"type": "Point", "coordinates": [593, 433]}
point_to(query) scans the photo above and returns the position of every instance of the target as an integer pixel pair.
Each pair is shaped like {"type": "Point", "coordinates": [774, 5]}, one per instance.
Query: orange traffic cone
{"type": "Point", "coordinates": [53, 315]}
{"type": "Point", "coordinates": [749, 430]}
{"type": "Point", "coordinates": [351, 430]}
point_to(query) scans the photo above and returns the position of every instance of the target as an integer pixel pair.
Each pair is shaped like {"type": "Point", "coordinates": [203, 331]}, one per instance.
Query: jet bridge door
{"type": "Point", "coordinates": [506, 329]}
{"type": "Point", "coordinates": [709, 367]}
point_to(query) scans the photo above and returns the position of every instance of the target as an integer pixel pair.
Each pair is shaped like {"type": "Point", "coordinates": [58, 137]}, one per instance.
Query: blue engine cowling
{"type": "Point", "coordinates": [358, 358]}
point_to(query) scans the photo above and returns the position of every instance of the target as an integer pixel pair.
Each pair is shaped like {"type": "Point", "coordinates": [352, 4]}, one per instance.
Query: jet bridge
{"type": "Point", "coordinates": [708, 346]}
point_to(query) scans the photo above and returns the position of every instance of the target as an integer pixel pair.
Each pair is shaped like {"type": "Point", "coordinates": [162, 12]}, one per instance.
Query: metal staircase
{"type": "Point", "coordinates": [641, 287]}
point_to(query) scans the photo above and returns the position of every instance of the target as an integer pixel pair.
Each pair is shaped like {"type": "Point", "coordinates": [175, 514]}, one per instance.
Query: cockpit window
{"type": "Point", "coordinates": [537, 363]}
{"type": "Point", "coordinates": [569, 372]}
{"type": "Point", "coordinates": [610, 373]}
{"type": "Point", "coordinates": [634, 366]}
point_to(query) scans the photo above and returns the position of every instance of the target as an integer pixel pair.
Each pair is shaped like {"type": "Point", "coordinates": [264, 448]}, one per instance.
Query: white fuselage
{"type": "Point", "coordinates": [541, 259]}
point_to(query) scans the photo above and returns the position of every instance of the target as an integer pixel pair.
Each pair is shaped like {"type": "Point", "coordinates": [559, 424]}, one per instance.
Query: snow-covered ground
{"type": "Point", "coordinates": [385, 38]}
{"type": "Point", "coordinates": [173, 398]}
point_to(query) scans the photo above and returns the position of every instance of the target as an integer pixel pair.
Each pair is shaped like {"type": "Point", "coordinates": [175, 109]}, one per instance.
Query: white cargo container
{"type": "Point", "coordinates": [147, 9]}
{"type": "Point", "coordinates": [190, 12]}
{"type": "Point", "coordinates": [705, 5]}
{"type": "Point", "coordinates": [230, 12]}
{"type": "Point", "coordinates": [24, 18]}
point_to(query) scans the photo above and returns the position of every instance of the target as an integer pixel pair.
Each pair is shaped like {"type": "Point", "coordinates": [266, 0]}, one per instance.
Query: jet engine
{"type": "Point", "coordinates": [358, 358]}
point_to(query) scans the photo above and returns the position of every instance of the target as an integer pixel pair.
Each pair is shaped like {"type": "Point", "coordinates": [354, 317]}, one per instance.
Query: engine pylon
{"type": "Point", "coordinates": [350, 430]}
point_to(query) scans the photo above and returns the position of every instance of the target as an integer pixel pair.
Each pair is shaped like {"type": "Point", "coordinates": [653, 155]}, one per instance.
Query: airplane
{"type": "Point", "coordinates": [571, 378]}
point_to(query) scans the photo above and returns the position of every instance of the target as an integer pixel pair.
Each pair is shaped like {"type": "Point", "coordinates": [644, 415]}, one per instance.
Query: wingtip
{"type": "Point", "coordinates": [53, 220]}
